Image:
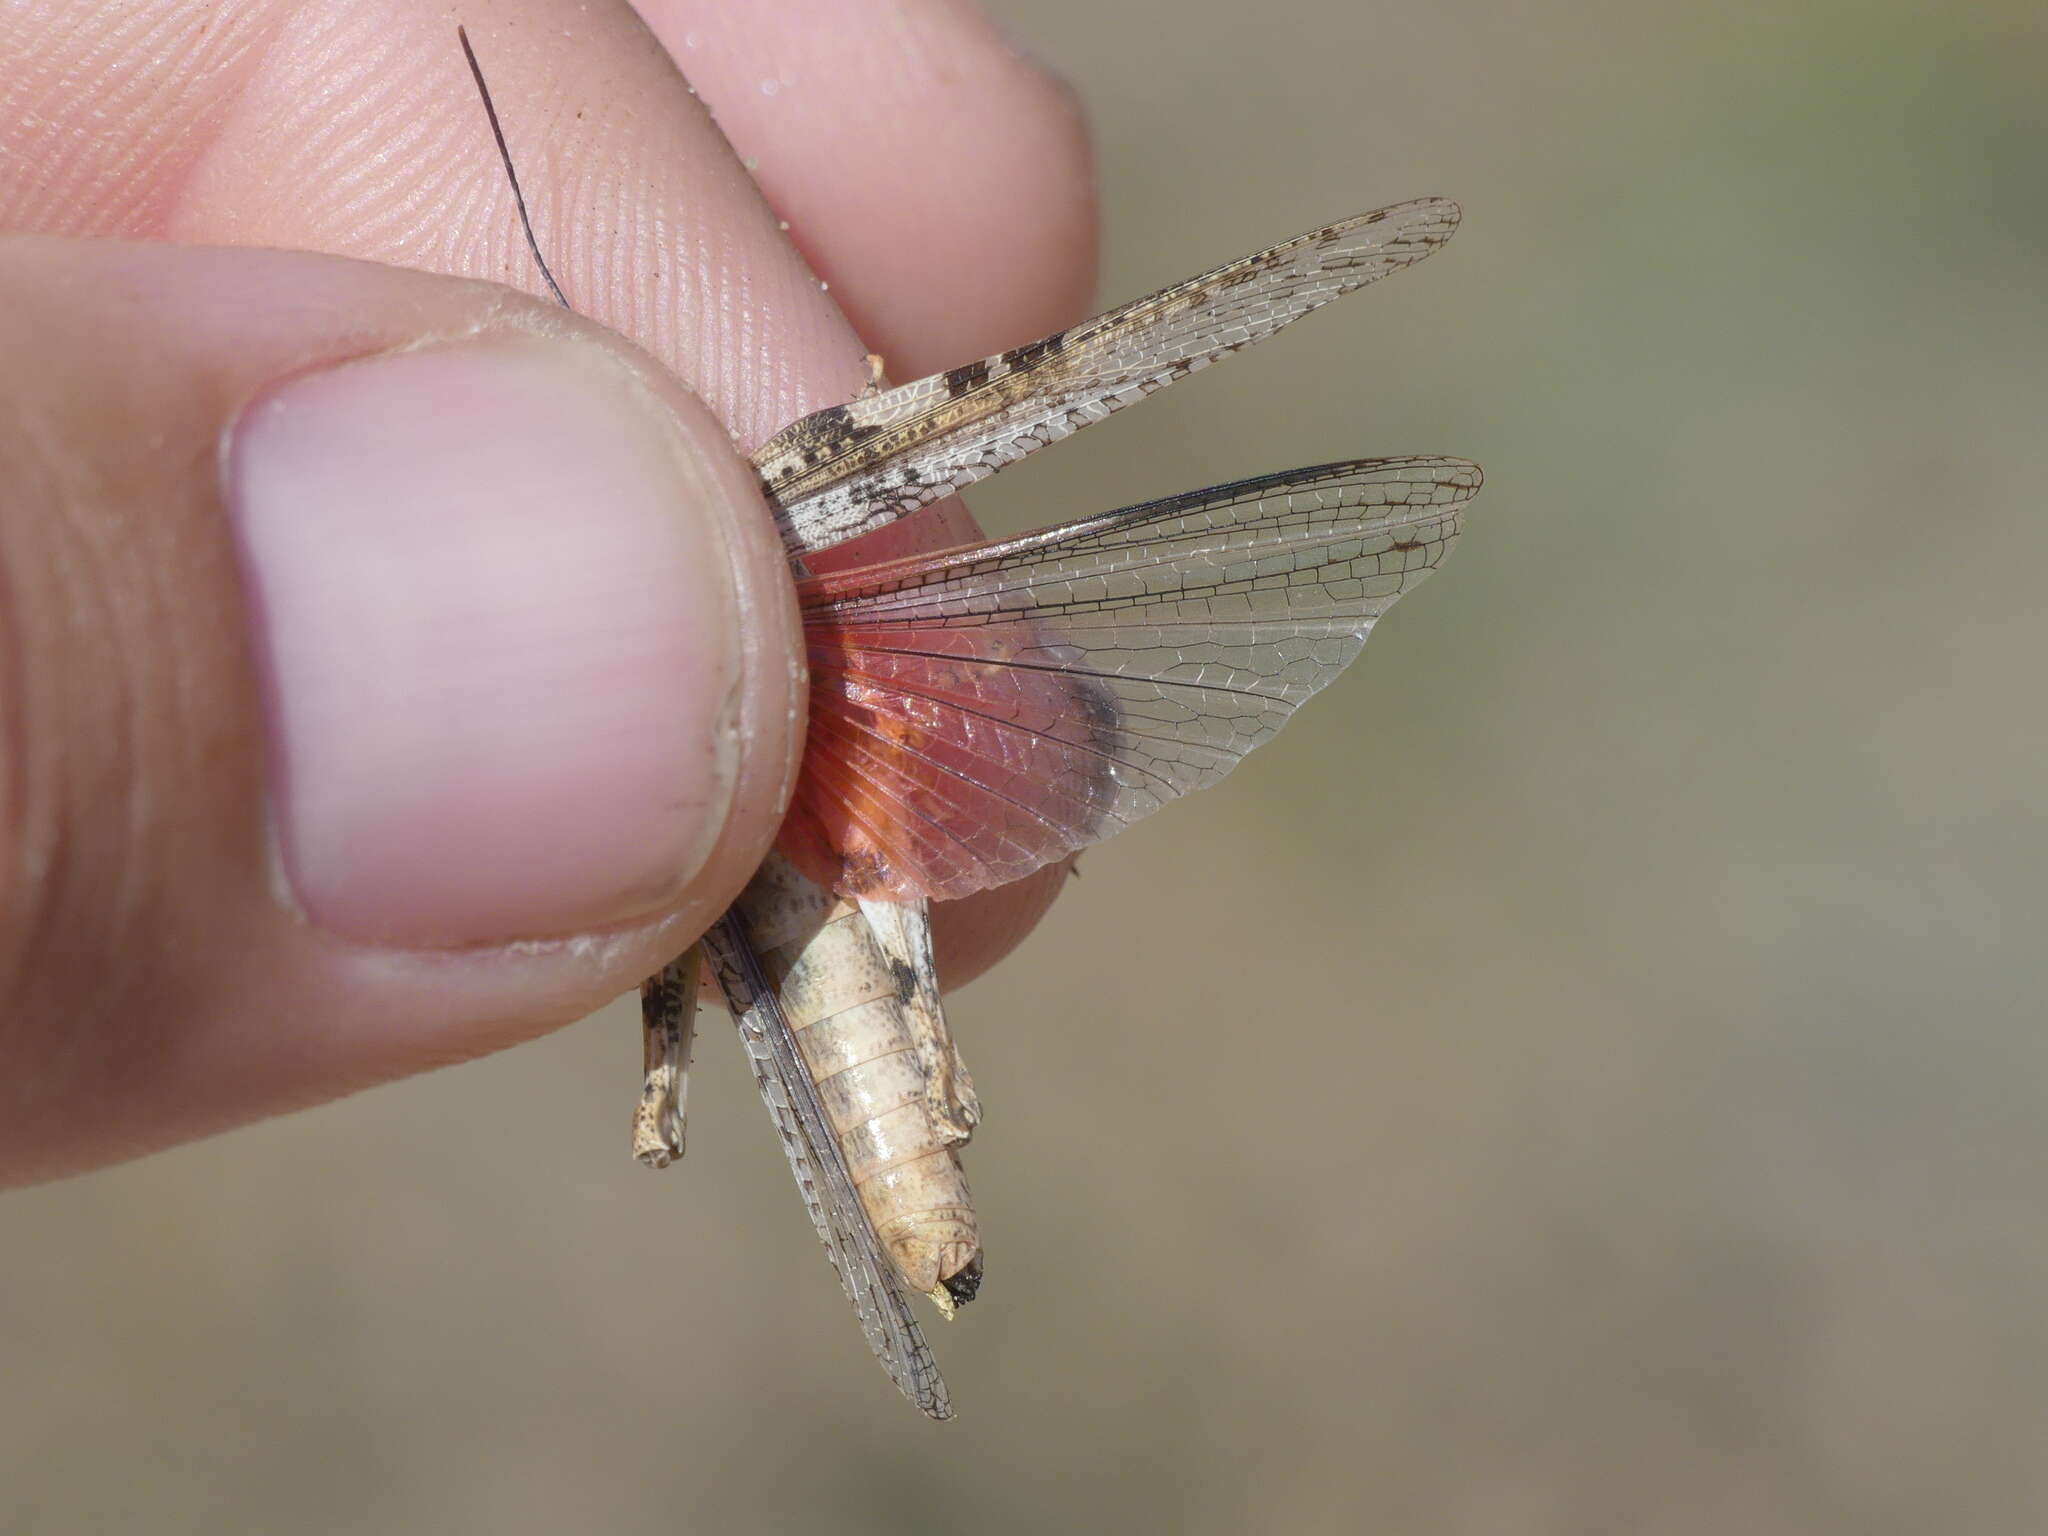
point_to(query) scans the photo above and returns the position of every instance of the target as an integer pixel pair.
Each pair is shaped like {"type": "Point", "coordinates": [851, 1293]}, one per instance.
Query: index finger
{"type": "Point", "coordinates": [355, 129]}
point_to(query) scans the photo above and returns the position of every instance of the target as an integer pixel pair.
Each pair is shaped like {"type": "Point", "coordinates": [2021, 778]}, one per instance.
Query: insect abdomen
{"type": "Point", "coordinates": [845, 1006]}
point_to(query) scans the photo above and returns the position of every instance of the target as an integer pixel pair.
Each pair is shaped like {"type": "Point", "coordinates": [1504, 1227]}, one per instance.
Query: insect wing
{"type": "Point", "coordinates": [977, 714]}
{"type": "Point", "coordinates": [850, 469]}
{"type": "Point", "coordinates": [814, 1157]}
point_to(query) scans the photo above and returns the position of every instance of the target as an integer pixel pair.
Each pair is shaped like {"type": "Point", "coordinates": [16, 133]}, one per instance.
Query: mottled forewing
{"type": "Point", "coordinates": [978, 714]}
{"type": "Point", "coordinates": [821, 1175]}
{"type": "Point", "coordinates": [850, 469]}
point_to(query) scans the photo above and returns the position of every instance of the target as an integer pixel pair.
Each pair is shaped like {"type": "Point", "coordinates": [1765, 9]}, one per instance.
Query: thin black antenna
{"type": "Point", "coordinates": [504, 154]}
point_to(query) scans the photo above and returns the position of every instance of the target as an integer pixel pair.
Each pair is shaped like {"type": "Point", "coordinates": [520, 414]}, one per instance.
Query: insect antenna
{"type": "Point", "coordinates": [511, 175]}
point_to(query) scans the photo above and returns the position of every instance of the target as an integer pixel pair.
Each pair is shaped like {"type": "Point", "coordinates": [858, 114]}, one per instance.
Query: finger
{"type": "Point", "coordinates": [941, 181]}
{"type": "Point", "coordinates": [938, 177]}
{"type": "Point", "coordinates": [356, 129]}
{"type": "Point", "coordinates": [392, 668]}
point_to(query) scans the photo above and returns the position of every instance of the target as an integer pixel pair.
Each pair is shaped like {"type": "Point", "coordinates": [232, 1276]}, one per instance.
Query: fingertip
{"type": "Point", "coordinates": [461, 571]}
{"type": "Point", "coordinates": [939, 177]}
{"type": "Point", "coordinates": [972, 934]}
{"type": "Point", "coordinates": [498, 607]}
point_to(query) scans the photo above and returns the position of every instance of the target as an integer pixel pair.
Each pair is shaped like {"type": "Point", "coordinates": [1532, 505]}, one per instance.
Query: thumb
{"type": "Point", "coordinates": [390, 668]}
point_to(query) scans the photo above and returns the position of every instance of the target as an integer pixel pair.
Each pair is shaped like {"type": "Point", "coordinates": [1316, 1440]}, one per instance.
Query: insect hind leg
{"type": "Point", "coordinates": [668, 1027]}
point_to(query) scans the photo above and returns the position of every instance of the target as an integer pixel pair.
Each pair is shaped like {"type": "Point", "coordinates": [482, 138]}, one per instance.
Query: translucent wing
{"type": "Point", "coordinates": [848, 470]}
{"type": "Point", "coordinates": [814, 1157]}
{"type": "Point", "coordinates": [977, 714]}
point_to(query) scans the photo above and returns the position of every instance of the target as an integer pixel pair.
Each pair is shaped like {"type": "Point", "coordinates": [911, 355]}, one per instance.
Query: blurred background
{"type": "Point", "coordinates": [1587, 1076]}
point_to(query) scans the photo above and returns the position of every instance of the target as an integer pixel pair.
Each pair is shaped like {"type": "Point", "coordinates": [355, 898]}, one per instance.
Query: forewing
{"type": "Point", "coordinates": [835, 1209]}
{"type": "Point", "coordinates": [977, 714]}
{"type": "Point", "coordinates": [850, 469]}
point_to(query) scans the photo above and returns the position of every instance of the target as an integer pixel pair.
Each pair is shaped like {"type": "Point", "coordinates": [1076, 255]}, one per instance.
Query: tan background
{"type": "Point", "coordinates": [1587, 1077]}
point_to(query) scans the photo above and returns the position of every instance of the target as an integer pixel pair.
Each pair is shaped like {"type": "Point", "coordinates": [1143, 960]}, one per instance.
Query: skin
{"type": "Point", "coordinates": [154, 984]}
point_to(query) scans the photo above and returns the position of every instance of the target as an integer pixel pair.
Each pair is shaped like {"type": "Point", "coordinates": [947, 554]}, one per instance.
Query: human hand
{"type": "Point", "coordinates": [394, 667]}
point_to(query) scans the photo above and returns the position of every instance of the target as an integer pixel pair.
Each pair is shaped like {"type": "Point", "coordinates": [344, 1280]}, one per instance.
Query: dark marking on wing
{"type": "Point", "coordinates": [852, 469]}
{"type": "Point", "coordinates": [1032, 353]}
{"type": "Point", "coordinates": [966, 379]}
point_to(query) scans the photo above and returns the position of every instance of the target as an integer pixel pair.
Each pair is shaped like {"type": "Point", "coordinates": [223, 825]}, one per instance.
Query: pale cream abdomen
{"type": "Point", "coordinates": [847, 1005]}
